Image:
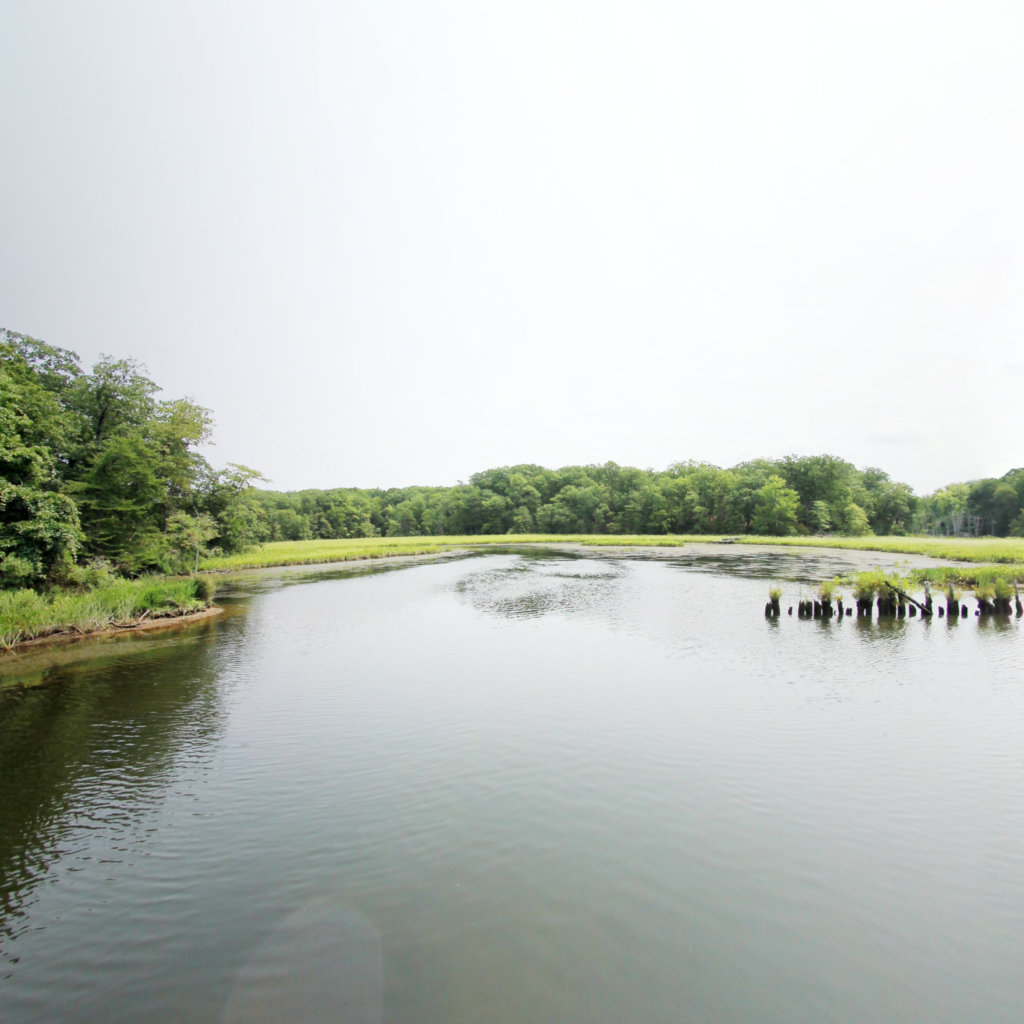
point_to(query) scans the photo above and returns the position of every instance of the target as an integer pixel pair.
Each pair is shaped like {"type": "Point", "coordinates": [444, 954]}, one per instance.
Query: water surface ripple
{"type": "Point", "coordinates": [528, 787]}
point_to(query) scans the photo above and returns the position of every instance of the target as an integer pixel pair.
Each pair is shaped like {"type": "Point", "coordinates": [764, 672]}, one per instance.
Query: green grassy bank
{"type": "Point", "coordinates": [309, 552]}
{"type": "Point", "coordinates": [1007, 551]}
{"type": "Point", "coordinates": [26, 615]}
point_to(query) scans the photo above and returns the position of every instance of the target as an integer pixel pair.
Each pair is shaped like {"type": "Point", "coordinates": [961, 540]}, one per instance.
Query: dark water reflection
{"type": "Point", "coordinates": [519, 788]}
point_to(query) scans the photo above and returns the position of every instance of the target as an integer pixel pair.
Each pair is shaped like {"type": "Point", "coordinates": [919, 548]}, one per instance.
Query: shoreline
{"type": "Point", "coordinates": [139, 626]}
{"type": "Point", "coordinates": [654, 550]}
{"type": "Point", "coordinates": [1005, 553]}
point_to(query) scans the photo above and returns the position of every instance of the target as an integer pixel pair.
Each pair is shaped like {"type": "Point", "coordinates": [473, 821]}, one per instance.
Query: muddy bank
{"type": "Point", "coordinates": [140, 625]}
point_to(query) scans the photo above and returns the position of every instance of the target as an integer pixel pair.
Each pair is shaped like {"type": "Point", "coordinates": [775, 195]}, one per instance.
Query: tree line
{"type": "Point", "coordinates": [816, 494]}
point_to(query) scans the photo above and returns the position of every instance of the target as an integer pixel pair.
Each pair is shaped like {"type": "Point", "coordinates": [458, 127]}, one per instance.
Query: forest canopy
{"type": "Point", "coordinates": [813, 494]}
{"type": "Point", "coordinates": [96, 469]}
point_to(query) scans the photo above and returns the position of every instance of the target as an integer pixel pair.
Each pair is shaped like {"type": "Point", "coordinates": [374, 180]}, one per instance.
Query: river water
{"type": "Point", "coordinates": [519, 787]}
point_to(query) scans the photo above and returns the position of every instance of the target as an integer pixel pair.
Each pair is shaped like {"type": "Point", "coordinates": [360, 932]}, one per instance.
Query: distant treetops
{"type": "Point", "coordinates": [818, 494]}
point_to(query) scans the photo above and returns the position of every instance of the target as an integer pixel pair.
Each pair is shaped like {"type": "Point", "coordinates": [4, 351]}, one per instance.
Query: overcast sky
{"type": "Point", "coordinates": [395, 243]}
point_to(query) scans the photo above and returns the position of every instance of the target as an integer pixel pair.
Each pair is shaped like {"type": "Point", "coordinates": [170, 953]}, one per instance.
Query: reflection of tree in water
{"type": "Point", "coordinates": [536, 586]}
{"type": "Point", "coordinates": [83, 757]}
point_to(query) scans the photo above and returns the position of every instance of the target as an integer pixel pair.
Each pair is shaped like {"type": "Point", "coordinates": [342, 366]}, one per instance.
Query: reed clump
{"type": "Point", "coordinates": [866, 587]}
{"type": "Point", "coordinates": [27, 615]}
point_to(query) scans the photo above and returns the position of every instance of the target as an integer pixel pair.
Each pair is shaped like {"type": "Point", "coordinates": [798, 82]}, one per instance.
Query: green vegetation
{"type": "Point", "coordinates": [95, 465]}
{"type": "Point", "coordinates": [796, 495]}
{"type": "Point", "coordinates": [308, 552]}
{"type": "Point", "coordinates": [26, 614]}
{"type": "Point", "coordinates": [867, 584]}
{"type": "Point", "coordinates": [1009, 550]}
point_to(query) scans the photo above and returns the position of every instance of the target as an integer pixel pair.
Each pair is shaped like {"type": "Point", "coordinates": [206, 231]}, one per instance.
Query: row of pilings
{"type": "Point", "coordinates": [896, 605]}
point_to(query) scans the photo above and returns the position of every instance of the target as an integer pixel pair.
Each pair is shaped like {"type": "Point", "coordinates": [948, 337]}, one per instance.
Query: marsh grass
{"type": "Point", "coordinates": [1002, 550]}
{"type": "Point", "coordinates": [1008, 551]}
{"type": "Point", "coordinates": [867, 584]}
{"type": "Point", "coordinates": [310, 552]}
{"type": "Point", "coordinates": [26, 615]}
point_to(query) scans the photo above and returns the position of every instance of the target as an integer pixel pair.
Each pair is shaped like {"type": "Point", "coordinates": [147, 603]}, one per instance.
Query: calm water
{"type": "Point", "coordinates": [520, 787]}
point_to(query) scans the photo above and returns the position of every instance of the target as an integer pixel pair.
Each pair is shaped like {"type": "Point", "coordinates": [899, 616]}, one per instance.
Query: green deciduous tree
{"type": "Point", "coordinates": [775, 509]}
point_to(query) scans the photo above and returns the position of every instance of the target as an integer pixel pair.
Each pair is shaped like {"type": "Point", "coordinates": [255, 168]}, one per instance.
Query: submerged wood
{"type": "Point", "coordinates": [925, 609]}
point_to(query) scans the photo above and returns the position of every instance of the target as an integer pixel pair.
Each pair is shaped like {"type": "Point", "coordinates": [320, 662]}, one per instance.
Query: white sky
{"type": "Point", "coordinates": [391, 243]}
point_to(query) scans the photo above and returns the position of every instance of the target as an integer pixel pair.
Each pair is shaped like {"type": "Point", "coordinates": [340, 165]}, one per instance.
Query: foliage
{"type": "Point", "coordinates": [189, 536]}
{"type": "Point", "coordinates": [775, 508]}
{"type": "Point", "coordinates": [96, 465]}
{"type": "Point", "coordinates": [25, 614]}
{"type": "Point", "coordinates": [867, 584]}
{"type": "Point", "coordinates": [817, 495]}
